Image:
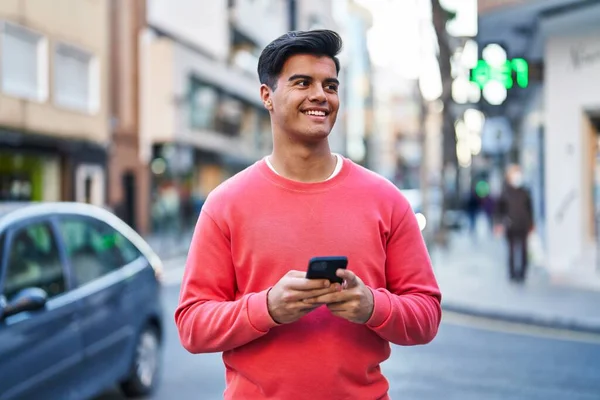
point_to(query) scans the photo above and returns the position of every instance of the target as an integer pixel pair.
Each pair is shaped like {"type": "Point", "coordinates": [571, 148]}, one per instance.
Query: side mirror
{"type": "Point", "coordinates": [29, 299]}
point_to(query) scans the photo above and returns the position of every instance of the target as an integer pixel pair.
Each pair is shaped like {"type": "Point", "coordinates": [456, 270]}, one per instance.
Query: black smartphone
{"type": "Point", "coordinates": [325, 268]}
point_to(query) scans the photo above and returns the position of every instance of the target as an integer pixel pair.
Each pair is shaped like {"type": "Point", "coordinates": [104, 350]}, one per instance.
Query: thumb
{"type": "Point", "coordinates": [349, 277]}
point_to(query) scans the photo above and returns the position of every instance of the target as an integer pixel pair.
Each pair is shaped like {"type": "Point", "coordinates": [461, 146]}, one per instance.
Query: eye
{"type": "Point", "coordinates": [303, 83]}
{"type": "Point", "coordinates": [332, 87]}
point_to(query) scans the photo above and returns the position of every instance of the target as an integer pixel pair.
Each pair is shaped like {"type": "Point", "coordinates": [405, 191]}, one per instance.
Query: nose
{"type": "Point", "coordinates": [317, 94]}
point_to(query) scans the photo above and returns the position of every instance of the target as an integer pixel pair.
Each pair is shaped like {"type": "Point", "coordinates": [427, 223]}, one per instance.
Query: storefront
{"type": "Point", "coordinates": [42, 168]}
{"type": "Point", "coordinates": [572, 111]}
{"type": "Point", "coordinates": [181, 179]}
{"type": "Point", "coordinates": [26, 176]}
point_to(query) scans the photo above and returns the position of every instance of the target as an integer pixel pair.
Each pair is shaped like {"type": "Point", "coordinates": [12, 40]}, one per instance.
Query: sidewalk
{"type": "Point", "coordinates": [473, 276]}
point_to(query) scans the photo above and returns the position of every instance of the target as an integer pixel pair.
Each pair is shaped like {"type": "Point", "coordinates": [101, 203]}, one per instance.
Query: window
{"type": "Point", "coordinates": [2, 239]}
{"type": "Point", "coordinates": [15, 186]}
{"type": "Point", "coordinates": [213, 109]}
{"type": "Point", "coordinates": [95, 248]}
{"type": "Point", "coordinates": [203, 105]}
{"type": "Point", "coordinates": [88, 189]}
{"type": "Point", "coordinates": [76, 79]}
{"type": "Point", "coordinates": [34, 261]}
{"type": "Point", "coordinates": [229, 115]}
{"type": "Point", "coordinates": [89, 184]}
{"type": "Point", "coordinates": [23, 62]}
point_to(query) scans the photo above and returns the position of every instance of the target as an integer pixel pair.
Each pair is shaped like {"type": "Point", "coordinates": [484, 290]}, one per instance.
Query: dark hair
{"type": "Point", "coordinates": [320, 42]}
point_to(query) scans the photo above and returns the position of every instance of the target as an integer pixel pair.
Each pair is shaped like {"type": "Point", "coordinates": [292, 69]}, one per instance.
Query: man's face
{"type": "Point", "coordinates": [305, 101]}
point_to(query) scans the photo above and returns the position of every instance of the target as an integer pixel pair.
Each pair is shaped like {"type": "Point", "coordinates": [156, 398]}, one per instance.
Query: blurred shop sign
{"type": "Point", "coordinates": [495, 74]}
{"type": "Point", "coordinates": [508, 73]}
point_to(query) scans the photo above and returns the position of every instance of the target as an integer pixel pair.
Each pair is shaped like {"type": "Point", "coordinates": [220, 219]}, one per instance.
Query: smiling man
{"type": "Point", "coordinates": [245, 291]}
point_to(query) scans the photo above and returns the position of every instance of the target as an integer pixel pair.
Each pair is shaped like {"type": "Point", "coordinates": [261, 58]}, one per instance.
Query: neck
{"type": "Point", "coordinates": [304, 163]}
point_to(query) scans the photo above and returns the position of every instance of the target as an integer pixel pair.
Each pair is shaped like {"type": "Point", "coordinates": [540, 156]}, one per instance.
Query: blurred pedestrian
{"type": "Point", "coordinates": [244, 291]}
{"type": "Point", "coordinates": [488, 206]}
{"type": "Point", "coordinates": [472, 207]}
{"type": "Point", "coordinates": [514, 213]}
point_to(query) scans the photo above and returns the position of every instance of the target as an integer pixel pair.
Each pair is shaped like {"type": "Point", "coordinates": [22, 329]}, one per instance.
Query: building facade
{"type": "Point", "coordinates": [129, 172]}
{"type": "Point", "coordinates": [556, 122]}
{"type": "Point", "coordinates": [201, 114]}
{"type": "Point", "coordinates": [572, 130]}
{"type": "Point", "coordinates": [204, 120]}
{"type": "Point", "coordinates": [54, 129]}
{"type": "Point", "coordinates": [358, 95]}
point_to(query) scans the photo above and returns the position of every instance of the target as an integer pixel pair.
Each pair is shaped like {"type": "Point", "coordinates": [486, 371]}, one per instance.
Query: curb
{"type": "Point", "coordinates": [524, 318]}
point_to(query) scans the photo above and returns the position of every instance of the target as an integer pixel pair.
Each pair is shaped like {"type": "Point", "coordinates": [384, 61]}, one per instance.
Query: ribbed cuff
{"type": "Point", "coordinates": [382, 307]}
{"type": "Point", "coordinates": [258, 312]}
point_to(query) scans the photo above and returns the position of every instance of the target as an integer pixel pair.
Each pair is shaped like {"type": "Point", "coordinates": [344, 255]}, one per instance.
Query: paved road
{"type": "Point", "coordinates": [470, 359]}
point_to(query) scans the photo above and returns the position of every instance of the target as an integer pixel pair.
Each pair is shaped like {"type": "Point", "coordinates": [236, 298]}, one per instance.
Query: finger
{"type": "Point", "coordinates": [349, 277]}
{"type": "Point", "coordinates": [301, 283]}
{"type": "Point", "coordinates": [305, 307]}
{"type": "Point", "coordinates": [335, 297]}
{"type": "Point", "coordinates": [293, 295]}
{"type": "Point", "coordinates": [307, 294]}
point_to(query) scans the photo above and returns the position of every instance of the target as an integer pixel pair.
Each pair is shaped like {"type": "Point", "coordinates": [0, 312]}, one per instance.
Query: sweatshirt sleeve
{"type": "Point", "coordinates": [209, 318]}
{"type": "Point", "coordinates": [408, 311]}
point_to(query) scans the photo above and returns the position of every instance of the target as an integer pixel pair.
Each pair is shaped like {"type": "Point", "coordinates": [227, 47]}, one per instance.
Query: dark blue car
{"type": "Point", "coordinates": [80, 307]}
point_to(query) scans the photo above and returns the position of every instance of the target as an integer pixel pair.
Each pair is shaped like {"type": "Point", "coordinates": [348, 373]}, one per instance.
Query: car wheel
{"type": "Point", "coordinates": [145, 369]}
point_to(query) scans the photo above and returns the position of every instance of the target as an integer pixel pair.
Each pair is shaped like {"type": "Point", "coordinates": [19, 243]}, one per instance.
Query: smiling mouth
{"type": "Point", "coordinates": [315, 113]}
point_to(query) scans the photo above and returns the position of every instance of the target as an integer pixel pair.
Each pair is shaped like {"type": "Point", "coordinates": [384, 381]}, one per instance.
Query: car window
{"type": "Point", "coordinates": [2, 244]}
{"type": "Point", "coordinates": [2, 240]}
{"type": "Point", "coordinates": [94, 247]}
{"type": "Point", "coordinates": [34, 261]}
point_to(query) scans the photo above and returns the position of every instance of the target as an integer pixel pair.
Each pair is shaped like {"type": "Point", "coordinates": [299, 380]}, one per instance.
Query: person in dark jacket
{"type": "Point", "coordinates": [514, 213]}
{"type": "Point", "coordinates": [472, 205]}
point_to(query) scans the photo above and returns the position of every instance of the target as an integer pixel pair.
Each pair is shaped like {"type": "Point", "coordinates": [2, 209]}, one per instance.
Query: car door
{"type": "Point", "coordinates": [41, 351]}
{"type": "Point", "coordinates": [96, 263]}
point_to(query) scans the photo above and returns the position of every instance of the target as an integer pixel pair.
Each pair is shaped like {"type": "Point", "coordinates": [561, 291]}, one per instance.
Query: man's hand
{"type": "Point", "coordinates": [354, 302]}
{"type": "Point", "coordinates": [286, 300]}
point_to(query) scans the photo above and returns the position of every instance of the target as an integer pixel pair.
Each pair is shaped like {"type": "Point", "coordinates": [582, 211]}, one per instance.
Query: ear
{"type": "Point", "coordinates": [266, 95]}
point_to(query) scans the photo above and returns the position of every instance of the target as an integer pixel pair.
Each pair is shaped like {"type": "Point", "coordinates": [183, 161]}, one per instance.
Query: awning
{"type": "Point", "coordinates": [76, 149]}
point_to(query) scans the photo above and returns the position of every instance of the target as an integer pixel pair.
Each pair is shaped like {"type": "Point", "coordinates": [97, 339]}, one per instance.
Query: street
{"type": "Point", "coordinates": [443, 147]}
{"type": "Point", "coordinates": [471, 358]}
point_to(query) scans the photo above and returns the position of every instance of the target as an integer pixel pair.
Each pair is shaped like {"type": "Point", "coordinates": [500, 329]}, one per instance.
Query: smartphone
{"type": "Point", "coordinates": [325, 268]}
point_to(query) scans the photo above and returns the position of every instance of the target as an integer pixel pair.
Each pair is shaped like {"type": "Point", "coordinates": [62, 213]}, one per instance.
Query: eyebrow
{"type": "Point", "coordinates": [309, 78]}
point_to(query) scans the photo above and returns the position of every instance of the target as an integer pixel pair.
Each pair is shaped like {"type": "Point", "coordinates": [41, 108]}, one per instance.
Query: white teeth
{"type": "Point", "coordinates": [317, 113]}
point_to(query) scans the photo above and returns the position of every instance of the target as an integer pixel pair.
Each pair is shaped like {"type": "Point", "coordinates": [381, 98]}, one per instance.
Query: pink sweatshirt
{"type": "Point", "coordinates": [257, 226]}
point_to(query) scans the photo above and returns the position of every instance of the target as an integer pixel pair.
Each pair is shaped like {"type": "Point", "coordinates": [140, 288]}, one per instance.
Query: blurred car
{"type": "Point", "coordinates": [80, 307]}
